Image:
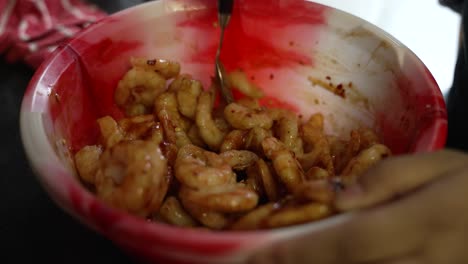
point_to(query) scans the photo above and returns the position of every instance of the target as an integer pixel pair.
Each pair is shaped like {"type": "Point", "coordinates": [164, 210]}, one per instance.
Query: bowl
{"type": "Point", "coordinates": [306, 56]}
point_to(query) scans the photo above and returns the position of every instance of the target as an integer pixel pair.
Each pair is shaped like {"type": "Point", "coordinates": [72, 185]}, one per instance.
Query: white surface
{"type": "Point", "coordinates": [428, 29]}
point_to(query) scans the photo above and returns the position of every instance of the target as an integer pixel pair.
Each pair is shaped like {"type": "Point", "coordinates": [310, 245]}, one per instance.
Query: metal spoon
{"type": "Point", "coordinates": [224, 15]}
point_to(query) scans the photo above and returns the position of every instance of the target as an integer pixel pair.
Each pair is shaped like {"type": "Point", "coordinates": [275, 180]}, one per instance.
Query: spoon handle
{"type": "Point", "coordinates": [225, 7]}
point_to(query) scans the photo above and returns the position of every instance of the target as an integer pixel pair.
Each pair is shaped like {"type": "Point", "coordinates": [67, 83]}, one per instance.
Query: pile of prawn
{"type": "Point", "coordinates": [178, 159]}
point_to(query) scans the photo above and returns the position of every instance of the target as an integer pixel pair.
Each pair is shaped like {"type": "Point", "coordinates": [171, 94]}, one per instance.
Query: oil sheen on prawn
{"type": "Point", "coordinates": [132, 176]}
{"type": "Point", "coordinates": [198, 168]}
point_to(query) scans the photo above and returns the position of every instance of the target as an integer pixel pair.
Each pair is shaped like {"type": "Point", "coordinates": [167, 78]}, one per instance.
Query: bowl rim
{"type": "Point", "coordinates": [38, 147]}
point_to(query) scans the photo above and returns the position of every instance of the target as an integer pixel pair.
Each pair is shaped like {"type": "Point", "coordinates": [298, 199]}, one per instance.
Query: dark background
{"type": "Point", "coordinates": [32, 228]}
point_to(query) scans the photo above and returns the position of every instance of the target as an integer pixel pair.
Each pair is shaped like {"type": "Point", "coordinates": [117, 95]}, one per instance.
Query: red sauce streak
{"type": "Point", "coordinates": [252, 38]}
{"type": "Point", "coordinates": [85, 91]}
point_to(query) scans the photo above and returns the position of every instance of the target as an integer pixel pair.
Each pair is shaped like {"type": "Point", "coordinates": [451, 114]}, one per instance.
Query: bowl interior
{"type": "Point", "coordinates": [306, 57]}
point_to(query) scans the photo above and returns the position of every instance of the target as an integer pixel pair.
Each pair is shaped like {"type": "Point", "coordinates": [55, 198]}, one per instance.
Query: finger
{"type": "Point", "coordinates": [403, 227]}
{"type": "Point", "coordinates": [397, 176]}
{"type": "Point", "coordinates": [314, 248]}
{"type": "Point", "coordinates": [387, 232]}
{"type": "Point", "coordinates": [404, 260]}
{"type": "Point", "coordinates": [390, 232]}
{"type": "Point", "coordinates": [413, 258]}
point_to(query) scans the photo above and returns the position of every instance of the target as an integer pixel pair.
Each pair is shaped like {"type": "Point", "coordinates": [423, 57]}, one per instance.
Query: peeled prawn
{"type": "Point", "coordinates": [207, 127]}
{"type": "Point", "coordinates": [313, 128]}
{"type": "Point", "coordinates": [368, 137]}
{"type": "Point", "coordinates": [241, 117]}
{"type": "Point", "coordinates": [157, 134]}
{"type": "Point", "coordinates": [168, 69]}
{"type": "Point", "coordinates": [187, 90]}
{"type": "Point", "coordinates": [319, 156]}
{"type": "Point", "coordinates": [87, 162]}
{"type": "Point", "coordinates": [315, 191]}
{"type": "Point", "coordinates": [173, 213]}
{"type": "Point", "coordinates": [137, 91]}
{"type": "Point", "coordinates": [211, 219]}
{"type": "Point", "coordinates": [350, 149]}
{"type": "Point", "coordinates": [138, 127]}
{"type": "Point", "coordinates": [260, 178]}
{"type": "Point", "coordinates": [230, 198]}
{"type": "Point", "coordinates": [268, 180]}
{"type": "Point", "coordinates": [249, 102]}
{"type": "Point", "coordinates": [298, 214]}
{"type": "Point", "coordinates": [288, 132]}
{"type": "Point", "coordinates": [316, 173]}
{"type": "Point", "coordinates": [111, 133]}
{"type": "Point", "coordinates": [173, 123]}
{"type": "Point", "coordinates": [359, 140]}
{"type": "Point", "coordinates": [255, 138]}
{"type": "Point", "coordinates": [194, 136]}
{"type": "Point", "coordinates": [317, 143]}
{"type": "Point", "coordinates": [253, 220]}
{"type": "Point", "coordinates": [233, 141]}
{"type": "Point", "coordinates": [365, 160]}
{"type": "Point", "coordinates": [239, 80]}
{"type": "Point", "coordinates": [198, 168]}
{"type": "Point", "coordinates": [239, 159]}
{"type": "Point", "coordinates": [286, 166]}
{"type": "Point", "coordinates": [133, 176]}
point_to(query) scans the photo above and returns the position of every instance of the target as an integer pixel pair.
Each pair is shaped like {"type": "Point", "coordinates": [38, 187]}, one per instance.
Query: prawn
{"type": "Point", "coordinates": [250, 103]}
{"type": "Point", "coordinates": [198, 168]}
{"type": "Point", "coordinates": [133, 176]}
{"type": "Point", "coordinates": [110, 131]}
{"type": "Point", "coordinates": [288, 132]}
{"type": "Point", "coordinates": [173, 213]}
{"type": "Point", "coordinates": [297, 215]}
{"type": "Point", "coordinates": [234, 140]}
{"type": "Point", "coordinates": [241, 117]}
{"type": "Point", "coordinates": [317, 173]}
{"type": "Point", "coordinates": [137, 127]}
{"type": "Point", "coordinates": [261, 178]}
{"type": "Point", "coordinates": [173, 123]}
{"type": "Point", "coordinates": [363, 161]}
{"type": "Point", "coordinates": [239, 159]}
{"type": "Point", "coordinates": [318, 145]}
{"type": "Point", "coordinates": [187, 91]}
{"type": "Point", "coordinates": [87, 163]}
{"type": "Point", "coordinates": [137, 91]}
{"type": "Point", "coordinates": [320, 155]}
{"type": "Point", "coordinates": [209, 131]}
{"type": "Point", "coordinates": [368, 137]}
{"type": "Point", "coordinates": [229, 198]}
{"type": "Point", "coordinates": [253, 220]}
{"type": "Point", "coordinates": [255, 138]}
{"type": "Point", "coordinates": [239, 80]}
{"type": "Point", "coordinates": [211, 219]}
{"type": "Point", "coordinates": [284, 162]}
{"type": "Point", "coordinates": [315, 191]}
{"type": "Point", "coordinates": [166, 68]}
{"type": "Point", "coordinates": [359, 140]}
{"type": "Point", "coordinates": [194, 136]}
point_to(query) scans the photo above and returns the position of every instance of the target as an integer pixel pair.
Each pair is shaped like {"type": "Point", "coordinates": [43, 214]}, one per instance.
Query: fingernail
{"type": "Point", "coordinates": [345, 199]}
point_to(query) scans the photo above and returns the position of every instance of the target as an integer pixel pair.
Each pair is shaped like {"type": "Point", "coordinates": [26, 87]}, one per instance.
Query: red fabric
{"type": "Point", "coordinates": [31, 29]}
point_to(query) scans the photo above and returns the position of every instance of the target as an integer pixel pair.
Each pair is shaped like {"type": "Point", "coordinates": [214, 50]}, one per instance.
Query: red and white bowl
{"type": "Point", "coordinates": [287, 47]}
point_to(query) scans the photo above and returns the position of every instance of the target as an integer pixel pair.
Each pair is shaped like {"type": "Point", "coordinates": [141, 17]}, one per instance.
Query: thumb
{"type": "Point", "coordinates": [399, 175]}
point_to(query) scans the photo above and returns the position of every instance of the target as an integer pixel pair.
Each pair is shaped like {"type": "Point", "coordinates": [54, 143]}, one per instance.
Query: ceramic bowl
{"type": "Point", "coordinates": [307, 57]}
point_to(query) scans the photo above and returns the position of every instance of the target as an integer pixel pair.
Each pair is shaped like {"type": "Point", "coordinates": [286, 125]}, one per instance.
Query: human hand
{"type": "Point", "coordinates": [409, 210]}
